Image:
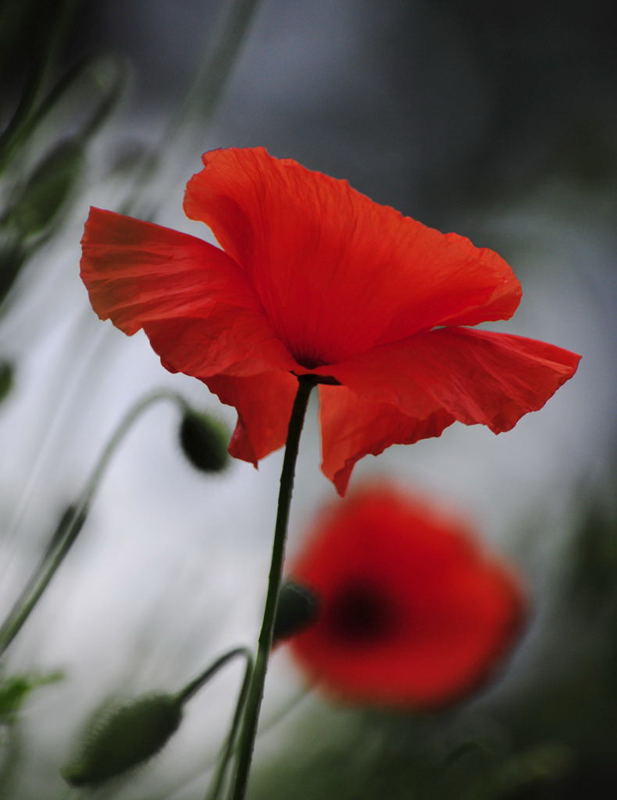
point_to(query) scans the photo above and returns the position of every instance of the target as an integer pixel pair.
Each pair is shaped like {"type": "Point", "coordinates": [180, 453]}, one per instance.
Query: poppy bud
{"type": "Point", "coordinates": [204, 442]}
{"type": "Point", "coordinates": [7, 371]}
{"type": "Point", "coordinates": [298, 607]}
{"type": "Point", "coordinates": [48, 187]}
{"type": "Point", "coordinates": [119, 738]}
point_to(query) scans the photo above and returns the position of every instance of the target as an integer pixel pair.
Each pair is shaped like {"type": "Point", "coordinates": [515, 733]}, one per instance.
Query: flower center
{"type": "Point", "coordinates": [309, 362]}
{"type": "Point", "coordinates": [360, 613]}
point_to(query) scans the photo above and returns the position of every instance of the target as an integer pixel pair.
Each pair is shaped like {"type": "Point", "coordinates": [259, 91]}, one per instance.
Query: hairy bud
{"type": "Point", "coordinates": [120, 738]}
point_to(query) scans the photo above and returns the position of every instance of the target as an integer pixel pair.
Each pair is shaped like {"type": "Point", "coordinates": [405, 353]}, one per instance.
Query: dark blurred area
{"type": "Point", "coordinates": [548, 736]}
{"type": "Point", "coordinates": [549, 71]}
{"type": "Point", "coordinates": [429, 106]}
{"type": "Point", "coordinates": [456, 113]}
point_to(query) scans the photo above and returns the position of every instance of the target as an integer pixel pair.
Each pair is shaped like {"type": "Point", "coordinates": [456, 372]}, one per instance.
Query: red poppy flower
{"type": "Point", "coordinates": [313, 277]}
{"type": "Point", "coordinates": [411, 611]}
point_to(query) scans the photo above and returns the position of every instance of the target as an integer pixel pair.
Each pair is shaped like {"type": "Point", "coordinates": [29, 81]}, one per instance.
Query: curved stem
{"type": "Point", "coordinates": [217, 67]}
{"type": "Point", "coordinates": [63, 395]}
{"type": "Point", "coordinates": [256, 687]}
{"type": "Point", "coordinates": [264, 729]}
{"type": "Point", "coordinates": [195, 685]}
{"type": "Point", "coordinates": [228, 748]}
{"type": "Point", "coordinates": [58, 551]}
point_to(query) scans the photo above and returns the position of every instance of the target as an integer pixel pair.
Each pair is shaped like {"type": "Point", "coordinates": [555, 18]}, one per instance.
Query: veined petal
{"type": "Point", "coordinates": [191, 299]}
{"type": "Point", "coordinates": [263, 403]}
{"type": "Point", "coordinates": [415, 389]}
{"type": "Point", "coordinates": [352, 428]}
{"type": "Point", "coordinates": [322, 256]}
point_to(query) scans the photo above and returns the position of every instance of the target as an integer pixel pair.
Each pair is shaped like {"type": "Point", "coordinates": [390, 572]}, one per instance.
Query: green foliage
{"type": "Point", "coordinates": [38, 203]}
{"type": "Point", "coordinates": [594, 556]}
{"type": "Point", "coordinates": [15, 689]}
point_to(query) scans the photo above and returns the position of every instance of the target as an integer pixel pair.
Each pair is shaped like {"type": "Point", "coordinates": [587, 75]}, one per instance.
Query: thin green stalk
{"type": "Point", "coordinates": [212, 78]}
{"type": "Point", "coordinates": [13, 748]}
{"type": "Point", "coordinates": [230, 742]}
{"type": "Point", "coordinates": [219, 763]}
{"type": "Point", "coordinates": [250, 719]}
{"type": "Point", "coordinates": [70, 378]}
{"type": "Point", "coordinates": [184, 695]}
{"type": "Point", "coordinates": [56, 554]}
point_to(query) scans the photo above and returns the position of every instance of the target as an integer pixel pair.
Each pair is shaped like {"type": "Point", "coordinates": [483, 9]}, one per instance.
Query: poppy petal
{"type": "Point", "coordinates": [353, 428]}
{"type": "Point", "coordinates": [417, 388]}
{"type": "Point", "coordinates": [321, 255]}
{"type": "Point", "coordinates": [412, 611]}
{"type": "Point", "coordinates": [264, 404]}
{"type": "Point", "coordinates": [189, 297]}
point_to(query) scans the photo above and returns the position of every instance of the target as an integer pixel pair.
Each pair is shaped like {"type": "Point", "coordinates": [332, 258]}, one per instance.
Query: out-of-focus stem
{"type": "Point", "coordinates": [35, 83]}
{"type": "Point", "coordinates": [195, 685]}
{"type": "Point", "coordinates": [58, 551]}
{"type": "Point", "coordinates": [202, 99]}
{"type": "Point", "coordinates": [214, 792]}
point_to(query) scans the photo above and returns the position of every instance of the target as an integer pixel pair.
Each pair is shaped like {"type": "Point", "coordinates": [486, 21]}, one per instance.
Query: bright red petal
{"type": "Point", "coordinates": [414, 390]}
{"type": "Point", "coordinates": [263, 403]}
{"type": "Point", "coordinates": [191, 299]}
{"type": "Point", "coordinates": [352, 428]}
{"type": "Point", "coordinates": [431, 613]}
{"type": "Point", "coordinates": [335, 272]}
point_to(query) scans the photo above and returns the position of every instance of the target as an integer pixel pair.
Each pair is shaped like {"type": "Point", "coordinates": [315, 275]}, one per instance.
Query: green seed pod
{"type": "Point", "coordinates": [120, 738]}
{"type": "Point", "coordinates": [298, 607]}
{"type": "Point", "coordinates": [204, 442]}
{"type": "Point", "coordinates": [7, 372]}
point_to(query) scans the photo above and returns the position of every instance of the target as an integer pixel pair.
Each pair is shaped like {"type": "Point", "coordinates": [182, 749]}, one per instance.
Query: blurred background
{"type": "Point", "coordinates": [497, 121]}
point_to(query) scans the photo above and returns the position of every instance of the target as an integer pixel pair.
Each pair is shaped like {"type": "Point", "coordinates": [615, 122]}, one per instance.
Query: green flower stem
{"type": "Point", "coordinates": [265, 727]}
{"type": "Point", "coordinates": [211, 81]}
{"type": "Point", "coordinates": [248, 730]}
{"type": "Point", "coordinates": [195, 685]}
{"type": "Point", "coordinates": [215, 790]}
{"type": "Point", "coordinates": [57, 551]}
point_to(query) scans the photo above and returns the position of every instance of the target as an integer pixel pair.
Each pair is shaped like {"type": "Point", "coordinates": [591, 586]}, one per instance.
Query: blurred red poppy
{"type": "Point", "coordinates": [314, 277]}
{"type": "Point", "coordinates": [411, 611]}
